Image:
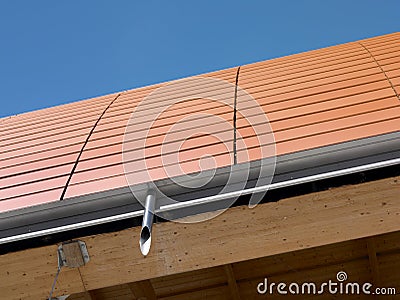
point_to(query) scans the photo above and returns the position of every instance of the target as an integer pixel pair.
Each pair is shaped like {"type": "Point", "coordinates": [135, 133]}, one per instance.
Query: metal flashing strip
{"type": "Point", "coordinates": [69, 227]}
{"type": "Point", "coordinates": [278, 185]}
{"type": "Point", "coordinates": [200, 201]}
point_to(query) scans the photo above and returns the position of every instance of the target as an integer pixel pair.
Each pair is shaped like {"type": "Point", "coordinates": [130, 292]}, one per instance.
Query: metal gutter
{"type": "Point", "coordinates": [71, 227]}
{"type": "Point", "coordinates": [279, 185]}
{"type": "Point", "coordinates": [205, 200]}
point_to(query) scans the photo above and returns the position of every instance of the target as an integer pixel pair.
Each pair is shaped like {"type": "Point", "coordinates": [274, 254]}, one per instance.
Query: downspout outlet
{"type": "Point", "coordinates": [147, 224]}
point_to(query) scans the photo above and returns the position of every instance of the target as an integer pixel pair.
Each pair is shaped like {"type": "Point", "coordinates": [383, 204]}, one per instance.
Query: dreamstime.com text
{"type": "Point", "coordinates": [340, 286]}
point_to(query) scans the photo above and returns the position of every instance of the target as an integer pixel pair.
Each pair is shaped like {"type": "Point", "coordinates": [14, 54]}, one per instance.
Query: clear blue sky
{"type": "Point", "coordinates": [54, 52]}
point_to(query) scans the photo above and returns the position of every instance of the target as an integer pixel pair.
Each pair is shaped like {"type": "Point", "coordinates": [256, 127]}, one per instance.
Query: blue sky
{"type": "Point", "coordinates": [55, 52]}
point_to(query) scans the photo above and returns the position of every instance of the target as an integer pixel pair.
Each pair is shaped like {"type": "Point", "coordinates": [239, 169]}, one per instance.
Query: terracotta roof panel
{"type": "Point", "coordinates": [312, 99]}
{"type": "Point", "coordinates": [38, 151]}
{"type": "Point", "coordinates": [103, 150]}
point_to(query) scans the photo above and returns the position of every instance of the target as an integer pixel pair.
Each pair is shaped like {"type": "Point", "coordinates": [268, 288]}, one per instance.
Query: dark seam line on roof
{"type": "Point", "coordinates": [380, 67]}
{"type": "Point", "coordinates": [235, 118]}
{"type": "Point", "coordinates": [83, 147]}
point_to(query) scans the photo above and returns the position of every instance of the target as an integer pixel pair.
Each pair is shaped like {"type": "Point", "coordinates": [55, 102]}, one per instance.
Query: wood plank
{"type": "Point", "coordinates": [188, 281]}
{"type": "Point", "coordinates": [373, 261]}
{"type": "Point", "coordinates": [214, 293]}
{"type": "Point", "coordinates": [90, 295]}
{"type": "Point", "coordinates": [302, 260]}
{"type": "Point", "coordinates": [387, 243]}
{"type": "Point", "coordinates": [302, 222]}
{"type": "Point", "coordinates": [233, 287]}
{"type": "Point", "coordinates": [317, 264]}
{"type": "Point", "coordinates": [142, 290]}
{"type": "Point", "coordinates": [79, 296]}
{"type": "Point", "coordinates": [389, 264]}
{"type": "Point", "coordinates": [114, 292]}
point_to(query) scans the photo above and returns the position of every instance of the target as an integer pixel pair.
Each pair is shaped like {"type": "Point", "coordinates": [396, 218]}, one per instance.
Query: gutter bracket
{"type": "Point", "coordinates": [73, 254]}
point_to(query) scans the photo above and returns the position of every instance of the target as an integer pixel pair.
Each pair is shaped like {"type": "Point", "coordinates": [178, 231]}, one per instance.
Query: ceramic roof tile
{"type": "Point", "coordinates": [38, 151]}
{"type": "Point", "coordinates": [312, 99]}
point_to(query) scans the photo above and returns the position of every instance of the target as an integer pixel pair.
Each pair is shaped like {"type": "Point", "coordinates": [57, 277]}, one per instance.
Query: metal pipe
{"type": "Point", "coordinates": [179, 205]}
{"type": "Point", "coordinates": [147, 224]}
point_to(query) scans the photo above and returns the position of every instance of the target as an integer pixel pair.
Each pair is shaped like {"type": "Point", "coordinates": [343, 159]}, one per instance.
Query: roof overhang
{"type": "Point", "coordinates": [114, 205]}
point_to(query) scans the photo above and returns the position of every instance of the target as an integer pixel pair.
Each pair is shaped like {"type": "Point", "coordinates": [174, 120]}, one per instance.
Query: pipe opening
{"type": "Point", "coordinates": [145, 240]}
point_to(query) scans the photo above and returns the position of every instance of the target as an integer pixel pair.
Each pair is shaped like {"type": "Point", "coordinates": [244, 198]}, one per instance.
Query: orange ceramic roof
{"type": "Point", "coordinates": [312, 99]}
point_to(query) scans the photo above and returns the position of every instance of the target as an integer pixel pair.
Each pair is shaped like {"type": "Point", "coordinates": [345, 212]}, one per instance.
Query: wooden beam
{"type": "Point", "coordinates": [373, 261]}
{"type": "Point", "coordinates": [89, 295]}
{"type": "Point", "coordinates": [142, 290]}
{"type": "Point", "coordinates": [233, 287]}
{"type": "Point", "coordinates": [306, 221]}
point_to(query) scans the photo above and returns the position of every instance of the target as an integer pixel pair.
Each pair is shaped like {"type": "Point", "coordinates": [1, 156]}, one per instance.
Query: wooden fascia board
{"type": "Point", "coordinates": [239, 234]}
